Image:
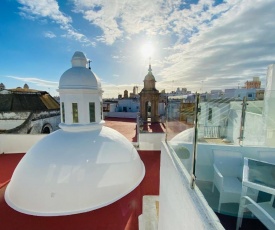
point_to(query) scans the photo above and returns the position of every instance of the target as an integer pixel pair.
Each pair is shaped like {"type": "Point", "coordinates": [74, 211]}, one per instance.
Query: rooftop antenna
{"type": "Point", "coordinates": [89, 63]}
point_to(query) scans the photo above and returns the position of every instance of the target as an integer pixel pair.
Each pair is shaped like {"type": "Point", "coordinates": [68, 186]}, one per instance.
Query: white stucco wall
{"type": "Point", "coordinates": [181, 207]}
{"type": "Point", "coordinates": [269, 106]}
{"type": "Point", "coordinates": [130, 105]}
{"type": "Point", "coordinates": [18, 143]}
{"type": "Point", "coordinates": [82, 97]}
{"type": "Point", "coordinates": [10, 124]}
{"type": "Point", "coordinates": [10, 120]}
{"type": "Point", "coordinates": [151, 141]}
{"type": "Point", "coordinates": [253, 130]}
{"type": "Point", "coordinates": [161, 109]}
{"type": "Point", "coordinates": [37, 125]}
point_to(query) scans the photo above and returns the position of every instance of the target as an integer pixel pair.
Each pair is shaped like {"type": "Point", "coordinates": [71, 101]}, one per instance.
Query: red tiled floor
{"type": "Point", "coordinates": [154, 127]}
{"type": "Point", "coordinates": [7, 166]}
{"type": "Point", "coordinates": [126, 126]}
{"type": "Point", "coordinates": [123, 214]}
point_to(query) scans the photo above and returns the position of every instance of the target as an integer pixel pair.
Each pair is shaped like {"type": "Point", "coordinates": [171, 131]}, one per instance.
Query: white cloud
{"type": "Point", "coordinates": [118, 19]}
{"type": "Point", "coordinates": [229, 51]}
{"type": "Point", "coordinates": [37, 81]}
{"type": "Point", "coordinates": [50, 9]}
{"type": "Point", "coordinates": [223, 44]}
{"type": "Point", "coordinates": [49, 34]}
{"type": "Point", "coordinates": [45, 8]}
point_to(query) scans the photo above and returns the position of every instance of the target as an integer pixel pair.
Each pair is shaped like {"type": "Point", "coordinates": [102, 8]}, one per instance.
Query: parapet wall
{"type": "Point", "coordinates": [180, 206]}
{"type": "Point", "coordinates": [18, 143]}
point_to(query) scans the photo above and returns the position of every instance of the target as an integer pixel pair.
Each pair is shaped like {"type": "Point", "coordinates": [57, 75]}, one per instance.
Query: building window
{"type": "Point", "coordinates": [209, 114]}
{"type": "Point", "coordinates": [92, 111]}
{"type": "Point", "coordinates": [63, 112]}
{"type": "Point", "coordinates": [75, 113]}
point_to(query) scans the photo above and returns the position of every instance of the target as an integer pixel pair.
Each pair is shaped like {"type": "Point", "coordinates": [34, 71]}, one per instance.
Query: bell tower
{"type": "Point", "coordinates": [149, 98]}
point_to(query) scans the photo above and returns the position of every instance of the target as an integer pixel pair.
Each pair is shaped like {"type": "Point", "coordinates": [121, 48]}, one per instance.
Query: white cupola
{"type": "Point", "coordinates": [80, 96]}
{"type": "Point", "coordinates": [81, 167]}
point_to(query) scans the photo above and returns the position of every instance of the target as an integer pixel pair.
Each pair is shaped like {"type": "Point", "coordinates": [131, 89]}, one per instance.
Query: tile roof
{"type": "Point", "coordinates": [26, 101]}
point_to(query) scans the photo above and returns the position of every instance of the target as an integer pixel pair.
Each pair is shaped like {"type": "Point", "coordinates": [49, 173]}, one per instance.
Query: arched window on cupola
{"type": "Point", "coordinates": [63, 112]}
{"type": "Point", "coordinates": [92, 111]}
{"type": "Point", "coordinates": [75, 112]}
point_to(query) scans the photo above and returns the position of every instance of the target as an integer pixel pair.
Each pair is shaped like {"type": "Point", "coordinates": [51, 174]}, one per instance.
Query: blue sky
{"type": "Point", "coordinates": [200, 45]}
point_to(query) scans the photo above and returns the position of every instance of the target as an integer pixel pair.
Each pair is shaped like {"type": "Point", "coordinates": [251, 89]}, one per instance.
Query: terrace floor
{"type": "Point", "coordinates": [126, 126]}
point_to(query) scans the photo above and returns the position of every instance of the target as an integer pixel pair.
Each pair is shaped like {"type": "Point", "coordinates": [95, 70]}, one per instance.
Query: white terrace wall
{"type": "Point", "coordinates": [254, 133]}
{"type": "Point", "coordinates": [151, 141]}
{"type": "Point", "coordinates": [18, 143]}
{"type": "Point", "coordinates": [181, 207]}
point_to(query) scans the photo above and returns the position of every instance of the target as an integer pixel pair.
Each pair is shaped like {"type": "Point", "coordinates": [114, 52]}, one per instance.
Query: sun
{"type": "Point", "coordinates": [147, 50]}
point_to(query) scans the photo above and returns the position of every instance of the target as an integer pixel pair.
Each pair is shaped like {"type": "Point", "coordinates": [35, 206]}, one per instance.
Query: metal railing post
{"type": "Point", "coordinates": [244, 104]}
{"type": "Point", "coordinates": [197, 110]}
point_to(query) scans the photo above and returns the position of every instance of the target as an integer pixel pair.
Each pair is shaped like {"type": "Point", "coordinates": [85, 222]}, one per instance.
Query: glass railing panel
{"type": "Point", "coordinates": [233, 125]}
{"type": "Point", "coordinates": [179, 128]}
{"type": "Point", "coordinates": [235, 128]}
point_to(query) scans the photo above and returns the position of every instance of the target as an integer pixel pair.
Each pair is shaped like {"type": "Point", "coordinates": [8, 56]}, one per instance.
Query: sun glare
{"type": "Point", "coordinates": [147, 50]}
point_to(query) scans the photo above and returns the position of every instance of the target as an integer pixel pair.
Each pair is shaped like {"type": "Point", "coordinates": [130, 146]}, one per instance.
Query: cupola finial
{"type": "Point", "coordinates": [150, 69]}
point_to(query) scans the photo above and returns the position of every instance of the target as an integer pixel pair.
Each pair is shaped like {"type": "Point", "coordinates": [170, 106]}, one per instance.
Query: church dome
{"type": "Point", "coordinates": [149, 80]}
{"type": "Point", "coordinates": [79, 76]}
{"type": "Point", "coordinates": [73, 172]}
{"type": "Point", "coordinates": [149, 76]}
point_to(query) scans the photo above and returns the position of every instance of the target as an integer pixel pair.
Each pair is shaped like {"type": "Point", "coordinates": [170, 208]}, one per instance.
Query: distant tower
{"type": "Point", "coordinates": [125, 94]}
{"type": "Point", "coordinates": [135, 90]}
{"type": "Point", "coordinates": [149, 98]}
{"type": "Point", "coordinates": [2, 86]}
{"type": "Point", "coordinates": [26, 86]}
{"type": "Point", "coordinates": [254, 84]}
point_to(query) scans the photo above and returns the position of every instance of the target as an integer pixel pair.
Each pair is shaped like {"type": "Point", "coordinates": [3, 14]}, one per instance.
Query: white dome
{"type": "Point", "coordinates": [68, 172]}
{"type": "Point", "coordinates": [79, 77]}
{"type": "Point", "coordinates": [184, 136]}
